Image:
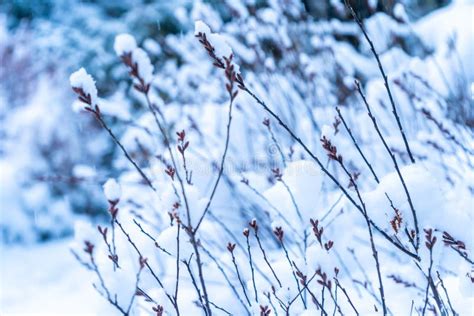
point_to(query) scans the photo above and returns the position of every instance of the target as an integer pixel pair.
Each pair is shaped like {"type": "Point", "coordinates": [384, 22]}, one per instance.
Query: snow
{"type": "Point", "coordinates": [112, 190]}
{"type": "Point", "coordinates": [400, 13]}
{"type": "Point", "coordinates": [52, 276]}
{"type": "Point", "coordinates": [82, 80]}
{"type": "Point", "coordinates": [201, 27]}
{"type": "Point", "coordinates": [84, 171]}
{"type": "Point", "coordinates": [124, 44]}
{"type": "Point", "coordinates": [145, 68]}
{"type": "Point", "coordinates": [327, 132]}
{"type": "Point", "coordinates": [222, 49]}
{"type": "Point", "coordinates": [52, 165]}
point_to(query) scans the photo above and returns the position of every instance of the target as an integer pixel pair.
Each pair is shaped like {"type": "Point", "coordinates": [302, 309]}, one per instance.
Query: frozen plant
{"type": "Point", "coordinates": [337, 229]}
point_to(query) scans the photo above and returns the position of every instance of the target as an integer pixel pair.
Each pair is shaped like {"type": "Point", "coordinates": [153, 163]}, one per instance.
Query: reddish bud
{"type": "Point", "coordinates": [230, 247]}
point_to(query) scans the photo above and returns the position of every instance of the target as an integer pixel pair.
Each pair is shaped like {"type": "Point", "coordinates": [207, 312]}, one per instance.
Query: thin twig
{"type": "Point", "coordinates": [334, 180]}
{"type": "Point", "coordinates": [395, 163]}
{"type": "Point", "coordinates": [382, 71]}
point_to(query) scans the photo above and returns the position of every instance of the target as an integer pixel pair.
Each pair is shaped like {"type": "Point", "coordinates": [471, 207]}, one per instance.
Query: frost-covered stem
{"type": "Point", "coordinates": [221, 166]}
{"type": "Point", "coordinates": [188, 174]}
{"type": "Point", "coordinates": [335, 304]}
{"type": "Point", "coordinates": [357, 145]}
{"type": "Point", "coordinates": [445, 132]}
{"type": "Point", "coordinates": [367, 280]}
{"type": "Point", "coordinates": [265, 256]}
{"type": "Point", "coordinates": [305, 287]}
{"type": "Point", "coordinates": [110, 249]}
{"type": "Point", "coordinates": [194, 243]}
{"type": "Point", "coordinates": [280, 214]}
{"type": "Point", "coordinates": [275, 141]}
{"type": "Point", "coordinates": [283, 306]}
{"type": "Point", "coordinates": [322, 299]}
{"type": "Point", "coordinates": [463, 255]}
{"type": "Point", "coordinates": [176, 288]}
{"type": "Point", "coordinates": [268, 296]}
{"type": "Point", "coordinates": [293, 200]}
{"type": "Point", "coordinates": [371, 237]}
{"type": "Point", "coordinates": [293, 272]}
{"type": "Point", "coordinates": [428, 279]}
{"type": "Point", "coordinates": [231, 285]}
{"type": "Point", "coordinates": [140, 292]}
{"type": "Point", "coordinates": [81, 261]}
{"type": "Point", "coordinates": [137, 281]}
{"type": "Point", "coordinates": [114, 248]}
{"type": "Point", "coordinates": [295, 205]}
{"type": "Point", "coordinates": [196, 287]}
{"type": "Point", "coordinates": [239, 277]}
{"type": "Point", "coordinates": [385, 79]}
{"type": "Point", "coordinates": [107, 295]}
{"type": "Point", "coordinates": [192, 234]}
{"type": "Point", "coordinates": [251, 266]}
{"type": "Point", "coordinates": [395, 163]}
{"type": "Point", "coordinates": [151, 237]}
{"type": "Point", "coordinates": [446, 293]}
{"type": "Point", "coordinates": [98, 116]}
{"type": "Point", "coordinates": [333, 179]}
{"type": "Point", "coordinates": [346, 295]}
{"type": "Point", "coordinates": [155, 276]}
{"type": "Point", "coordinates": [170, 151]}
{"type": "Point", "coordinates": [220, 308]}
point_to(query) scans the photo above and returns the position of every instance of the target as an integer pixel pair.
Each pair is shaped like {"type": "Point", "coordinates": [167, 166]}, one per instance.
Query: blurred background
{"type": "Point", "coordinates": [52, 161]}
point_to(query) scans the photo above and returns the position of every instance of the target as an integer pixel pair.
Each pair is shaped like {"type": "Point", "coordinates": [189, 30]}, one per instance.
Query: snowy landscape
{"type": "Point", "coordinates": [236, 157]}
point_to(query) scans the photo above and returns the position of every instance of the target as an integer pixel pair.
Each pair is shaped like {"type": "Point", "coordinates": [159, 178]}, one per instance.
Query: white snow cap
{"type": "Point", "coordinates": [222, 49]}
{"type": "Point", "coordinates": [124, 44]}
{"type": "Point", "coordinates": [327, 131]}
{"type": "Point", "coordinates": [81, 79]}
{"type": "Point", "coordinates": [112, 190]}
{"type": "Point", "coordinates": [201, 27]}
{"type": "Point", "coordinates": [400, 13]}
{"type": "Point", "coordinates": [145, 68]}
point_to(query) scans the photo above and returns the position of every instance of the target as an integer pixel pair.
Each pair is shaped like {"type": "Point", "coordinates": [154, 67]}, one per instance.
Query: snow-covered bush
{"type": "Point", "coordinates": [246, 191]}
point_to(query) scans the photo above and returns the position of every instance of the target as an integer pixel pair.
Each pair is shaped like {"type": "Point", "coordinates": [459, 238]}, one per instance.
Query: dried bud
{"type": "Point", "coordinates": [430, 239]}
{"type": "Point", "coordinates": [158, 310]}
{"type": "Point", "coordinates": [246, 232]}
{"type": "Point", "coordinates": [318, 232]}
{"type": "Point", "coordinates": [277, 174]}
{"type": "Point", "coordinates": [331, 150]}
{"type": "Point", "coordinates": [142, 261]}
{"type": "Point", "coordinates": [328, 245]}
{"type": "Point", "coordinates": [264, 310]}
{"type": "Point", "coordinates": [449, 240]}
{"type": "Point", "coordinates": [89, 247]}
{"type": "Point", "coordinates": [181, 135]}
{"type": "Point", "coordinates": [230, 247]}
{"type": "Point", "coordinates": [170, 171]}
{"type": "Point", "coordinates": [114, 258]}
{"type": "Point", "coordinates": [397, 220]}
{"type": "Point", "coordinates": [253, 224]}
{"type": "Point", "coordinates": [278, 231]}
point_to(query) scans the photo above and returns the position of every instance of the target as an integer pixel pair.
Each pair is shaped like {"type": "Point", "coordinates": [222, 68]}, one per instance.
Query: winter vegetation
{"type": "Point", "coordinates": [238, 157]}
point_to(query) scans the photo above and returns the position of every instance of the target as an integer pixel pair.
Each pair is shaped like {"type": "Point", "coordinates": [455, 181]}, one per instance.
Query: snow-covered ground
{"type": "Point", "coordinates": [44, 279]}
